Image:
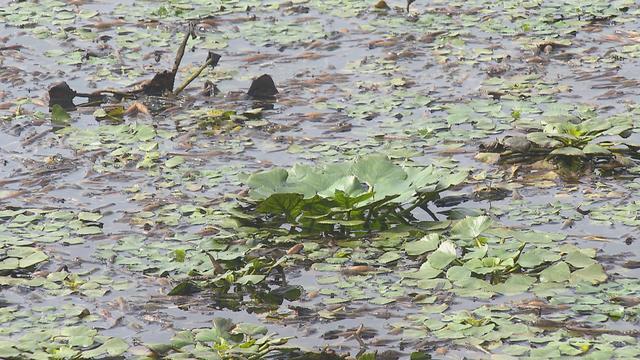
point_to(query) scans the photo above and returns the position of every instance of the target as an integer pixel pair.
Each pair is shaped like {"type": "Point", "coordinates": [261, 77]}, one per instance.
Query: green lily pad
{"type": "Point", "coordinates": [34, 258]}
{"type": "Point", "coordinates": [558, 272]}
{"type": "Point", "coordinates": [567, 151]}
{"type": "Point", "coordinates": [428, 243]}
{"type": "Point", "coordinates": [593, 273]}
{"type": "Point", "coordinates": [472, 227]}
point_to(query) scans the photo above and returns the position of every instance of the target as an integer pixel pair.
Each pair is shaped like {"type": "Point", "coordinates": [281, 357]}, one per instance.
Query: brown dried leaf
{"type": "Point", "coordinates": [357, 269]}
{"type": "Point", "coordinates": [627, 301]}
{"type": "Point", "coordinates": [295, 249]}
{"type": "Point", "coordinates": [137, 108]}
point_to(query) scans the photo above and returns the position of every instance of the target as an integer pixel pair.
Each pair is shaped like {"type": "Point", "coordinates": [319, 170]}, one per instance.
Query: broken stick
{"type": "Point", "coordinates": [212, 60]}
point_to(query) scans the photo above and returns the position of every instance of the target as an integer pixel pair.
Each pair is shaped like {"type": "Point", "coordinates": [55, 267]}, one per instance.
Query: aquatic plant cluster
{"type": "Point", "coordinates": [364, 180]}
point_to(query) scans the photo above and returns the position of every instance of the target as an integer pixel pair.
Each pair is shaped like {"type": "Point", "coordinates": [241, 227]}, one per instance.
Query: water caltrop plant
{"type": "Point", "coordinates": [588, 139]}
{"type": "Point", "coordinates": [593, 142]}
{"type": "Point", "coordinates": [368, 193]}
{"type": "Point", "coordinates": [568, 139]}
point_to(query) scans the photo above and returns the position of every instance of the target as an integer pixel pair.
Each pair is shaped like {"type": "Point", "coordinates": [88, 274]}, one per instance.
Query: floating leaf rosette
{"type": "Point", "coordinates": [577, 146]}
{"type": "Point", "coordinates": [368, 193]}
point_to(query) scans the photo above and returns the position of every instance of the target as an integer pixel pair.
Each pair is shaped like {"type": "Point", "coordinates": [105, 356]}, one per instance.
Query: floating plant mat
{"type": "Point", "coordinates": [340, 214]}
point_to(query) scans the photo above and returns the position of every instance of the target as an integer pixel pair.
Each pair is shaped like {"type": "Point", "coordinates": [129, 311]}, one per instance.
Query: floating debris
{"type": "Point", "coordinates": [263, 88]}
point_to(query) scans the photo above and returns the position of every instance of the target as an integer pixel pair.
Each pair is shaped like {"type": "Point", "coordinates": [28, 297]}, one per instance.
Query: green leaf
{"type": "Point", "coordinates": [389, 257]}
{"type": "Point", "coordinates": [9, 264]}
{"type": "Point", "coordinates": [367, 356]}
{"type": "Point", "coordinates": [287, 204]}
{"type": "Point", "coordinates": [250, 329]}
{"type": "Point", "coordinates": [595, 149]}
{"type": "Point", "coordinates": [516, 350]}
{"type": "Point", "coordinates": [179, 255]}
{"type": "Point", "coordinates": [184, 288]}
{"type": "Point", "coordinates": [7, 352]}
{"type": "Point", "coordinates": [89, 216]}
{"type": "Point", "coordinates": [72, 331]}
{"type": "Point", "coordinates": [291, 292]}
{"type": "Point", "coordinates": [381, 174]}
{"type": "Point", "coordinates": [556, 273]}
{"type": "Point", "coordinates": [111, 347]}
{"type": "Point", "coordinates": [159, 348]}
{"type": "Point", "coordinates": [89, 230]}
{"type": "Point", "coordinates": [59, 116]}
{"type": "Point", "coordinates": [419, 355]}
{"type": "Point", "coordinates": [36, 257]}
{"type": "Point", "coordinates": [115, 346]}
{"type": "Point", "coordinates": [251, 279]}
{"type": "Point", "coordinates": [65, 352]}
{"type": "Point", "coordinates": [347, 187]}
{"type": "Point", "coordinates": [145, 133]}
{"type": "Point", "coordinates": [471, 227]}
{"type": "Point", "coordinates": [593, 273]}
{"type": "Point", "coordinates": [428, 243]}
{"type": "Point", "coordinates": [458, 273]}
{"type": "Point", "coordinates": [265, 183]}
{"type": "Point", "coordinates": [447, 180]}
{"type": "Point", "coordinates": [541, 139]}
{"type": "Point", "coordinates": [515, 284]}
{"type": "Point", "coordinates": [536, 256]}
{"type": "Point", "coordinates": [347, 223]}
{"type": "Point", "coordinates": [426, 271]}
{"type": "Point", "coordinates": [310, 181]}
{"type": "Point", "coordinates": [443, 256]}
{"type": "Point", "coordinates": [182, 339]}
{"type": "Point", "coordinates": [578, 259]}
{"type": "Point", "coordinates": [347, 201]}
{"type": "Point", "coordinates": [174, 162]}
{"type": "Point", "coordinates": [567, 151]}
{"type": "Point", "coordinates": [209, 335]}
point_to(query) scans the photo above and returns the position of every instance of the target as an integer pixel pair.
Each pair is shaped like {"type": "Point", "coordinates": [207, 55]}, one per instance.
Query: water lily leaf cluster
{"type": "Point", "coordinates": [224, 340]}
{"type": "Point", "coordinates": [23, 233]}
{"type": "Point", "coordinates": [281, 32]}
{"type": "Point", "coordinates": [63, 283]}
{"type": "Point", "coordinates": [482, 258]}
{"type": "Point", "coordinates": [216, 121]}
{"type": "Point", "coordinates": [242, 278]}
{"type": "Point", "coordinates": [16, 259]}
{"type": "Point", "coordinates": [61, 333]}
{"type": "Point", "coordinates": [569, 324]}
{"type": "Point", "coordinates": [128, 144]}
{"type": "Point", "coordinates": [368, 105]}
{"type": "Point", "coordinates": [498, 330]}
{"type": "Point", "coordinates": [371, 192]}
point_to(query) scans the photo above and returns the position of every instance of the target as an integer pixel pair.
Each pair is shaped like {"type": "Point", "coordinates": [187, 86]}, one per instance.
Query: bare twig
{"type": "Point", "coordinates": [217, 268]}
{"type": "Point", "coordinates": [433, 216]}
{"type": "Point", "coordinates": [183, 45]}
{"type": "Point", "coordinates": [212, 60]}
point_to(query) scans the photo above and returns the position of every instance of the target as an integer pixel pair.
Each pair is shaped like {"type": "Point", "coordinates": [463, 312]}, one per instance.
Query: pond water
{"type": "Point", "coordinates": [102, 217]}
